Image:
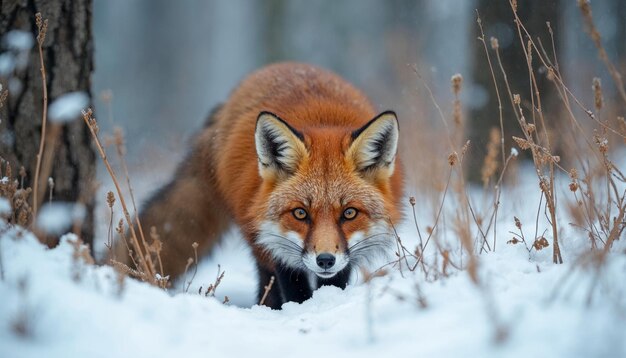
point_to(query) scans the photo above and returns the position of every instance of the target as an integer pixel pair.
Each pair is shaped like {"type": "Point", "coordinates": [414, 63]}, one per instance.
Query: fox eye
{"type": "Point", "coordinates": [349, 213]}
{"type": "Point", "coordinates": [299, 213]}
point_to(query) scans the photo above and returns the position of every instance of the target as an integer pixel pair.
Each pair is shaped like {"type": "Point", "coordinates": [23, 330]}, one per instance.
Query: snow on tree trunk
{"type": "Point", "coordinates": [68, 58]}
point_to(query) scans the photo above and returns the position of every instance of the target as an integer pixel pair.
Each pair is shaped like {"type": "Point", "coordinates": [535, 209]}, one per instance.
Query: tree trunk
{"type": "Point", "coordinates": [68, 59]}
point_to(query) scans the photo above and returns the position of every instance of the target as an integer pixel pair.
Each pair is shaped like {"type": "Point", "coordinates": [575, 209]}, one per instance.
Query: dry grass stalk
{"type": "Point", "coordinates": [598, 146]}
{"type": "Point", "coordinates": [495, 46]}
{"type": "Point", "coordinates": [122, 233]}
{"type": "Point", "coordinates": [120, 280]}
{"type": "Point", "coordinates": [547, 185]}
{"type": "Point", "coordinates": [497, 189]}
{"type": "Point", "coordinates": [128, 271]}
{"type": "Point", "coordinates": [157, 246]}
{"type": "Point", "coordinates": [597, 93]}
{"type": "Point", "coordinates": [490, 163]}
{"type": "Point", "coordinates": [22, 173]}
{"type": "Point", "coordinates": [51, 142]}
{"type": "Point", "coordinates": [564, 92]}
{"type": "Point", "coordinates": [622, 125]}
{"type": "Point", "coordinates": [110, 202]}
{"type": "Point", "coordinates": [143, 254]}
{"type": "Point", "coordinates": [611, 226]}
{"type": "Point", "coordinates": [619, 224]}
{"type": "Point", "coordinates": [80, 257]}
{"type": "Point", "coordinates": [434, 101]}
{"type": "Point", "coordinates": [587, 201]}
{"type": "Point", "coordinates": [403, 253]}
{"type": "Point", "coordinates": [189, 261]}
{"type": "Point", "coordinates": [267, 289]}
{"type": "Point", "coordinates": [419, 234]}
{"type": "Point", "coordinates": [592, 209]}
{"type": "Point", "coordinates": [585, 9]}
{"type": "Point", "coordinates": [50, 188]}
{"type": "Point", "coordinates": [457, 81]}
{"type": "Point", "coordinates": [431, 230]}
{"type": "Point", "coordinates": [453, 158]}
{"type": "Point", "coordinates": [462, 221]}
{"type": "Point", "coordinates": [42, 26]}
{"type": "Point", "coordinates": [120, 149]}
{"type": "Point", "coordinates": [538, 244]}
{"type": "Point", "coordinates": [466, 213]}
{"type": "Point", "coordinates": [210, 291]}
{"type": "Point", "coordinates": [21, 211]}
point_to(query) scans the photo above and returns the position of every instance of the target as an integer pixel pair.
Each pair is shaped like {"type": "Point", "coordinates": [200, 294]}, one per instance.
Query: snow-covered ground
{"type": "Point", "coordinates": [53, 304]}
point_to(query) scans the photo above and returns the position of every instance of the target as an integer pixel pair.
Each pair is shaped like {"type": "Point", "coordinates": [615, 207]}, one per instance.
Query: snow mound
{"type": "Point", "coordinates": [55, 304]}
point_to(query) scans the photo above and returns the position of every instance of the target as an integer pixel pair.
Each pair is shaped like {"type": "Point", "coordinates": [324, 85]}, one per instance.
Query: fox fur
{"type": "Point", "coordinates": [301, 162]}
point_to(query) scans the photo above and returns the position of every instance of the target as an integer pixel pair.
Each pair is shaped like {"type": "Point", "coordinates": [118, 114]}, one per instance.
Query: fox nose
{"type": "Point", "coordinates": [325, 261]}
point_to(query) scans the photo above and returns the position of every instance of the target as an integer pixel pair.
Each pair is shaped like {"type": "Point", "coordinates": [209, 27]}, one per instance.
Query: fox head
{"type": "Point", "coordinates": [329, 201]}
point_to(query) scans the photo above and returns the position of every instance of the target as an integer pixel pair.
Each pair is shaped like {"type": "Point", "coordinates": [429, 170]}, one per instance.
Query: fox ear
{"type": "Point", "coordinates": [374, 145]}
{"type": "Point", "coordinates": [279, 147]}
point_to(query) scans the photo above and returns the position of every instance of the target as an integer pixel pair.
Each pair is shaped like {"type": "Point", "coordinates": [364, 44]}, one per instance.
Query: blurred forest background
{"type": "Point", "coordinates": [167, 63]}
{"type": "Point", "coordinates": [158, 67]}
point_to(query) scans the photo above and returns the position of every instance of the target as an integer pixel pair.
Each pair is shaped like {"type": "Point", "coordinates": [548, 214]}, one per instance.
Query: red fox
{"type": "Point", "coordinates": [300, 161]}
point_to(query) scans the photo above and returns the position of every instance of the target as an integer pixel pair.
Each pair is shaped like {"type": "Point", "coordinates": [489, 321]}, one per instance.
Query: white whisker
{"type": "Point", "coordinates": [377, 245]}
{"type": "Point", "coordinates": [286, 249]}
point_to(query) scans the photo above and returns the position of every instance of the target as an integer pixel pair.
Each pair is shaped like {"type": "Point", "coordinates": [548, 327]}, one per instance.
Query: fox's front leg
{"type": "Point", "coordinates": [289, 286]}
{"type": "Point", "coordinates": [268, 292]}
{"type": "Point", "coordinates": [294, 284]}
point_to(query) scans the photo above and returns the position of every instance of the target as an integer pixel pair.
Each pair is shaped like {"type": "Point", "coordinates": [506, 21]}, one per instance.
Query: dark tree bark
{"type": "Point", "coordinates": [68, 59]}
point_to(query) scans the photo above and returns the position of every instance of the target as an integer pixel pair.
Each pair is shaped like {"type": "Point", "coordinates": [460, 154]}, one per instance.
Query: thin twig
{"type": "Point", "coordinates": [195, 269]}
{"type": "Point", "coordinates": [144, 259]}
{"type": "Point", "coordinates": [549, 186]}
{"type": "Point", "coordinates": [432, 97]}
{"type": "Point", "coordinates": [120, 149]}
{"type": "Point", "coordinates": [42, 26]}
{"type": "Point", "coordinates": [585, 9]}
{"type": "Point", "coordinates": [267, 288]}
{"type": "Point", "coordinates": [495, 83]}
